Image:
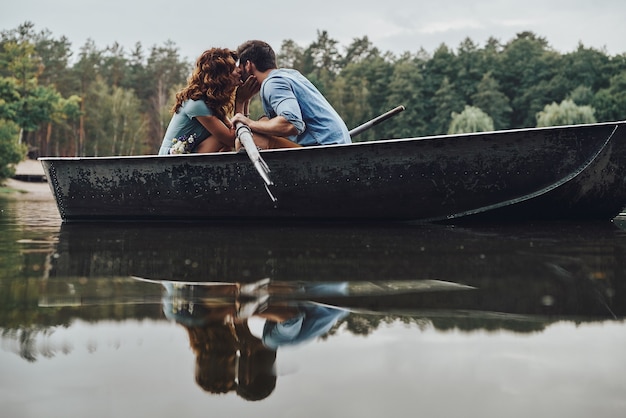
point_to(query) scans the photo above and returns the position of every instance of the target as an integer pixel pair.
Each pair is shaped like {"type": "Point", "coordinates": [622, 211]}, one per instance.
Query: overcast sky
{"type": "Point", "coordinates": [391, 25]}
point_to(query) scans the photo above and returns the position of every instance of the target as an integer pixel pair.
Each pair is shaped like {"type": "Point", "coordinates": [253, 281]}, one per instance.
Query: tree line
{"type": "Point", "coordinates": [114, 101]}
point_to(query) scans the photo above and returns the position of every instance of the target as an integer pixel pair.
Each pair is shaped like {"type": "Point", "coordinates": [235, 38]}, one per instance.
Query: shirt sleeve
{"type": "Point", "coordinates": [282, 102]}
{"type": "Point", "coordinates": [194, 108]}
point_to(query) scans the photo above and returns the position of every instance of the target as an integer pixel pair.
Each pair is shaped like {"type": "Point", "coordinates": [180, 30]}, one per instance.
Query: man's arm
{"type": "Point", "coordinates": [278, 126]}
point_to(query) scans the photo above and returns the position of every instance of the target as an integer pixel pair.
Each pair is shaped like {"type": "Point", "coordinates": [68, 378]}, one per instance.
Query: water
{"type": "Point", "coordinates": [432, 321]}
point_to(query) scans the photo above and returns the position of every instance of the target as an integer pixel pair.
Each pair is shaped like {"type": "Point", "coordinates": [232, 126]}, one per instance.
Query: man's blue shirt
{"type": "Point", "coordinates": [287, 93]}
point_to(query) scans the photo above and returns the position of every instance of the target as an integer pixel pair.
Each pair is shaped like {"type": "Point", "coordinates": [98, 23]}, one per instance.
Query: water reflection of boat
{"type": "Point", "coordinates": [561, 270]}
{"type": "Point", "coordinates": [520, 279]}
{"type": "Point", "coordinates": [524, 280]}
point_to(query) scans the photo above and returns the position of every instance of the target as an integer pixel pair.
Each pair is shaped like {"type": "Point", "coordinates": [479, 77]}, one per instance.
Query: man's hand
{"type": "Point", "coordinates": [239, 117]}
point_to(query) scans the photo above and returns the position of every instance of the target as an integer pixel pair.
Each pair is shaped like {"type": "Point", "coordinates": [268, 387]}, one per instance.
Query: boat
{"type": "Point", "coordinates": [575, 172]}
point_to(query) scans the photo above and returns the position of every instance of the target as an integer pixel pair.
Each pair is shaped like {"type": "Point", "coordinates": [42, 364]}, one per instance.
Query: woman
{"type": "Point", "coordinates": [200, 115]}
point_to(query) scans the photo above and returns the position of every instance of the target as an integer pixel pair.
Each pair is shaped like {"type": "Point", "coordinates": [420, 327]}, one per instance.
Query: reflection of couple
{"type": "Point", "coordinates": [228, 356]}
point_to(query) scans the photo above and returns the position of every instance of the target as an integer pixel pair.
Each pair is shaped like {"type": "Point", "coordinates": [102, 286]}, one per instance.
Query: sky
{"type": "Point", "coordinates": [390, 25]}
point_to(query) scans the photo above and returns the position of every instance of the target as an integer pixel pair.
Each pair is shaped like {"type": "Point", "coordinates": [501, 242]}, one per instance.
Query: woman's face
{"type": "Point", "coordinates": [236, 76]}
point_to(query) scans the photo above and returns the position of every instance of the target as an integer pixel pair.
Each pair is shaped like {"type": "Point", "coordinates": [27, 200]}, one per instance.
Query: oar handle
{"type": "Point", "coordinates": [245, 137]}
{"type": "Point", "coordinates": [367, 125]}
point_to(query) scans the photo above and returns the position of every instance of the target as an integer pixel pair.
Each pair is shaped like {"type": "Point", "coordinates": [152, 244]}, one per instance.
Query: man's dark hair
{"type": "Point", "coordinates": [259, 53]}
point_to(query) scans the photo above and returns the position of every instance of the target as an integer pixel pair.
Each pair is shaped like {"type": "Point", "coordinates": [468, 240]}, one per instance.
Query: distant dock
{"type": "Point", "coordinates": [30, 170]}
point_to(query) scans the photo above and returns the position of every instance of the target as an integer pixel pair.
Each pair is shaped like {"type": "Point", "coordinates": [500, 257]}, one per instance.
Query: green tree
{"type": "Point", "coordinates": [406, 88]}
{"type": "Point", "coordinates": [52, 55]}
{"type": "Point", "coordinates": [164, 70]}
{"type": "Point", "coordinates": [586, 67]}
{"type": "Point", "coordinates": [117, 126]}
{"type": "Point", "coordinates": [19, 60]}
{"type": "Point", "coordinates": [35, 108]}
{"type": "Point", "coordinates": [471, 119]}
{"type": "Point", "coordinates": [115, 67]}
{"type": "Point", "coordinates": [491, 54]}
{"type": "Point", "coordinates": [29, 105]}
{"type": "Point", "coordinates": [565, 113]}
{"type": "Point", "coordinates": [291, 55]}
{"type": "Point", "coordinates": [581, 95]}
{"type": "Point", "coordinates": [324, 56]}
{"type": "Point", "coordinates": [128, 125]}
{"type": "Point", "coordinates": [351, 91]}
{"type": "Point", "coordinates": [447, 101]}
{"type": "Point", "coordinates": [442, 65]}
{"type": "Point", "coordinates": [86, 70]}
{"type": "Point", "coordinates": [368, 83]}
{"type": "Point", "coordinates": [359, 50]}
{"type": "Point", "coordinates": [491, 100]}
{"type": "Point", "coordinates": [137, 77]}
{"type": "Point", "coordinates": [11, 151]}
{"type": "Point", "coordinates": [64, 124]}
{"type": "Point", "coordinates": [9, 97]}
{"type": "Point", "coordinates": [49, 64]}
{"type": "Point", "coordinates": [350, 97]}
{"type": "Point", "coordinates": [321, 61]}
{"type": "Point", "coordinates": [610, 103]}
{"type": "Point", "coordinates": [526, 67]}
{"type": "Point", "coordinates": [471, 71]}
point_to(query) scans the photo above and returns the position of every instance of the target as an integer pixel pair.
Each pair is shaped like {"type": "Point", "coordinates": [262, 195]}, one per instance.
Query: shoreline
{"type": "Point", "coordinates": [16, 187]}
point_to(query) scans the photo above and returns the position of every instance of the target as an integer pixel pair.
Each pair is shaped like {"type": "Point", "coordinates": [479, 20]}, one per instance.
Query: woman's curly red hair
{"type": "Point", "coordinates": [212, 82]}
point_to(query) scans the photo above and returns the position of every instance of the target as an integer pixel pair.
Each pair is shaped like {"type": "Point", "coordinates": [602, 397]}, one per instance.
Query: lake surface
{"type": "Point", "coordinates": [162, 320]}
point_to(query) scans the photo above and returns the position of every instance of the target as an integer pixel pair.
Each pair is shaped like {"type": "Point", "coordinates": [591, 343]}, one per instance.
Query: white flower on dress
{"type": "Point", "coordinates": [183, 144]}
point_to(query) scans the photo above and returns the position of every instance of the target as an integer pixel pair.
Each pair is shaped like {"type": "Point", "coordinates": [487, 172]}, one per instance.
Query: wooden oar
{"type": "Point", "coordinates": [245, 137]}
{"type": "Point", "coordinates": [367, 125]}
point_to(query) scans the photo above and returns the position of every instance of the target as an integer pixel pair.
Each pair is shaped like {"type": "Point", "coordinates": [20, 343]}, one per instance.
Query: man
{"type": "Point", "coordinates": [293, 106]}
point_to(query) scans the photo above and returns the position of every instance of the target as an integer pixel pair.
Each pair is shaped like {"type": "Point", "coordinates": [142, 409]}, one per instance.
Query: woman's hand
{"type": "Point", "coordinates": [249, 88]}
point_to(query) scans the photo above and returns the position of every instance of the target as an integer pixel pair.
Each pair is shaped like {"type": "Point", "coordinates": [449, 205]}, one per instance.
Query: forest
{"type": "Point", "coordinates": [112, 101]}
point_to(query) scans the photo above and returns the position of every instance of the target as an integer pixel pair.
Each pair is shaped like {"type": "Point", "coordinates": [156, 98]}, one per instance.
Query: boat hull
{"type": "Point", "coordinates": [573, 172]}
